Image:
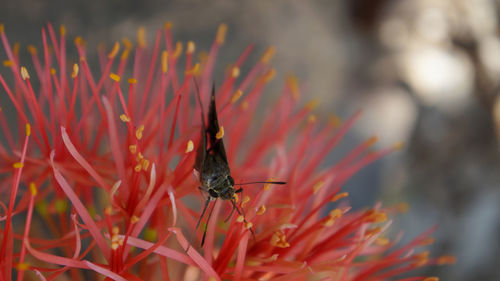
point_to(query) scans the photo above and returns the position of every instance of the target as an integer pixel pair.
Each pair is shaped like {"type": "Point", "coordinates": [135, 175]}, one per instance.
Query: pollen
{"type": "Point", "coordinates": [426, 242]}
{"type": "Point", "coordinates": [431, 279]}
{"type": "Point", "coordinates": [7, 63]}
{"type": "Point", "coordinates": [62, 30]}
{"type": "Point", "coordinates": [138, 168]}
{"type": "Point", "coordinates": [221, 34]}
{"type": "Point", "coordinates": [261, 210]}
{"type": "Point", "coordinates": [145, 164]}
{"type": "Point", "coordinates": [402, 207]}
{"type": "Point", "coordinates": [2, 28]}
{"type": "Point", "coordinates": [124, 118]}
{"type": "Point", "coordinates": [293, 84]}
{"type": "Point", "coordinates": [191, 47]}
{"type": "Point", "coordinates": [317, 186]}
{"type": "Point", "coordinates": [268, 55]}
{"type": "Point", "coordinates": [236, 198]}
{"type": "Point", "coordinates": [189, 146]}
{"type": "Point", "coordinates": [236, 96]}
{"type": "Point", "coordinates": [421, 259]}
{"type": "Point", "coordinates": [139, 131]}
{"type": "Point", "coordinates": [28, 129]}
{"type": "Point", "coordinates": [132, 81]}
{"type": "Point", "coordinates": [52, 71]}
{"type": "Point", "coordinates": [114, 77]}
{"type": "Point", "coordinates": [240, 218]}
{"type": "Point", "coordinates": [375, 216]}
{"type": "Point", "coordinates": [75, 71]}
{"type": "Point", "coordinates": [244, 105]}
{"type": "Point", "coordinates": [178, 50]}
{"type": "Point", "coordinates": [18, 165]}
{"type": "Point", "coordinates": [334, 120]}
{"type": "Point", "coordinates": [279, 240]}
{"type": "Point", "coordinates": [371, 141]}
{"type": "Point", "coordinates": [312, 104]}
{"type": "Point", "coordinates": [220, 133]}
{"type": "Point", "coordinates": [269, 75]}
{"type": "Point", "coordinates": [339, 196]}
{"type": "Point", "coordinates": [33, 189]}
{"type": "Point", "coordinates": [248, 225]}
{"type": "Point", "coordinates": [108, 210]}
{"type": "Point", "coordinates": [382, 241]}
{"type": "Point", "coordinates": [245, 200]}
{"type": "Point", "coordinates": [79, 41]}
{"type": "Point", "coordinates": [164, 61]}
{"type": "Point", "coordinates": [446, 260]}
{"type": "Point", "coordinates": [267, 186]}
{"type": "Point", "coordinates": [114, 246]}
{"type": "Point", "coordinates": [373, 231]}
{"type": "Point", "coordinates": [141, 37]}
{"type": "Point", "coordinates": [126, 42]}
{"type": "Point", "coordinates": [23, 266]}
{"type": "Point", "coordinates": [167, 25]}
{"type": "Point", "coordinates": [134, 219]}
{"type": "Point", "coordinates": [114, 50]}
{"type": "Point", "coordinates": [194, 70]}
{"type": "Point", "coordinates": [332, 217]}
{"type": "Point", "coordinates": [132, 148]}
{"type": "Point", "coordinates": [235, 72]}
{"type": "Point", "coordinates": [24, 73]}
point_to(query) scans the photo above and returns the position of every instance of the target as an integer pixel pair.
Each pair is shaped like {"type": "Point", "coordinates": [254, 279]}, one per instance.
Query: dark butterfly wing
{"type": "Point", "coordinates": [216, 145]}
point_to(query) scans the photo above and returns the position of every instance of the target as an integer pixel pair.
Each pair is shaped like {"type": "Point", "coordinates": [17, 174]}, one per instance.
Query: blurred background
{"type": "Point", "coordinates": [424, 72]}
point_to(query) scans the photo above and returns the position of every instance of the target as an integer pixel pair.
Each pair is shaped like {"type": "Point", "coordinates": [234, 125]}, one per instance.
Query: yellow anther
{"type": "Point", "coordinates": [124, 118]}
{"type": "Point", "coordinates": [236, 198]}
{"type": "Point", "coordinates": [52, 71]}
{"type": "Point", "coordinates": [236, 96]}
{"type": "Point", "coordinates": [332, 217]}
{"type": "Point", "coordinates": [427, 241]}
{"type": "Point", "coordinates": [317, 186]}
{"type": "Point", "coordinates": [312, 118]}
{"type": "Point", "coordinates": [164, 61]}
{"type": "Point", "coordinates": [446, 260]}
{"type": "Point", "coordinates": [178, 50]}
{"type": "Point", "coordinates": [194, 70]}
{"type": "Point", "coordinates": [145, 164]}
{"type": "Point", "coordinates": [248, 225]}
{"type": "Point", "coordinates": [141, 37]}
{"type": "Point", "coordinates": [79, 41]}
{"type": "Point", "coordinates": [235, 72]}
{"type": "Point", "coordinates": [167, 25]}
{"type": "Point", "coordinates": [339, 196]}
{"type": "Point", "coordinates": [33, 189]}
{"type": "Point", "coordinates": [108, 210]}
{"type": "Point", "coordinates": [189, 146]}
{"type": "Point", "coordinates": [132, 80]}
{"type": "Point", "coordinates": [139, 157]}
{"type": "Point", "coordinates": [267, 186]}
{"type": "Point", "coordinates": [244, 105]}
{"type": "Point", "coordinates": [114, 77]}
{"type": "Point", "coordinates": [191, 47]}
{"type": "Point", "coordinates": [23, 266]}
{"type": "Point", "coordinates": [293, 84]}
{"type": "Point", "coordinates": [268, 55]}
{"type": "Point", "coordinates": [334, 120]}
{"type": "Point", "coordinates": [269, 75]}
{"type": "Point", "coordinates": [221, 34]}
{"type": "Point", "coordinates": [61, 205]}
{"type": "Point", "coordinates": [75, 70]}
{"type": "Point", "coordinates": [132, 148]}
{"type": "Point", "coordinates": [421, 258]}
{"type": "Point", "coordinates": [32, 50]}
{"type": "Point", "coordinates": [134, 219]}
{"type": "Point", "coordinates": [7, 63]}
{"type": "Point", "coordinates": [373, 231]}
{"type": "Point", "coordinates": [28, 129]}
{"type": "Point", "coordinates": [15, 48]}
{"type": "Point", "coordinates": [114, 246]}
{"type": "Point", "coordinates": [62, 30]}
{"type": "Point", "coordinates": [115, 230]}
{"type": "Point", "coordinates": [371, 141]}
{"type": "Point", "coordinates": [279, 240]}
{"type": "Point", "coordinates": [138, 168]}
{"type": "Point", "coordinates": [125, 54]}
{"type": "Point", "coordinates": [245, 200]}
{"type": "Point", "coordinates": [261, 210]}
{"type": "Point", "coordinates": [381, 241]}
{"type": "Point", "coordinates": [126, 42]}
{"type": "Point", "coordinates": [398, 146]}
{"type": "Point", "coordinates": [375, 216]}
{"type": "Point", "coordinates": [24, 73]}
{"type": "Point", "coordinates": [240, 218]}
{"type": "Point", "coordinates": [2, 28]}
{"type": "Point", "coordinates": [138, 132]}
{"type": "Point", "coordinates": [431, 279]}
{"type": "Point", "coordinates": [18, 165]}
{"type": "Point", "coordinates": [312, 104]}
{"type": "Point", "coordinates": [220, 133]}
{"type": "Point", "coordinates": [115, 50]}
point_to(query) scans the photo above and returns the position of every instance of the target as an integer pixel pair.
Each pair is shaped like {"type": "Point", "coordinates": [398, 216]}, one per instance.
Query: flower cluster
{"type": "Point", "coordinates": [97, 172]}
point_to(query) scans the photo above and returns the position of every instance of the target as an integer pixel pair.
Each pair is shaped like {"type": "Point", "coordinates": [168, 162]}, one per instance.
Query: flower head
{"type": "Point", "coordinates": [100, 176]}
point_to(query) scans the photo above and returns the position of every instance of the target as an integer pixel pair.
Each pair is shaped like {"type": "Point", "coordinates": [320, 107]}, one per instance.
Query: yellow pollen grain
{"type": "Point", "coordinates": [7, 63]}
{"type": "Point", "coordinates": [114, 50]}
{"type": "Point", "coordinates": [18, 165]}
{"type": "Point", "coordinates": [114, 246]}
{"type": "Point", "coordinates": [261, 210]}
{"type": "Point", "coordinates": [79, 41]}
{"type": "Point", "coordinates": [167, 25]}
{"type": "Point", "coordinates": [220, 133]}
{"type": "Point", "coordinates": [267, 186]}
{"type": "Point", "coordinates": [24, 73]}
{"type": "Point", "coordinates": [339, 196]}
{"type": "Point", "coordinates": [114, 77]}
{"type": "Point", "coordinates": [446, 260]}
{"type": "Point", "coordinates": [145, 164]}
{"type": "Point", "coordinates": [132, 80]}
{"type": "Point", "coordinates": [293, 84]}
{"type": "Point", "coordinates": [421, 258]}
{"type": "Point", "coordinates": [248, 225]}
{"type": "Point", "coordinates": [32, 50]}
{"type": "Point", "coordinates": [244, 105]}
{"type": "Point", "coordinates": [23, 266]}
{"type": "Point", "coordinates": [431, 279]}
{"type": "Point", "coordinates": [125, 54]}
{"type": "Point", "coordinates": [75, 71]}
{"type": "Point", "coordinates": [191, 47]}
{"type": "Point", "coordinates": [240, 219]}
{"type": "Point", "coordinates": [268, 55]}
{"type": "Point", "coordinates": [194, 70]}
{"type": "Point", "coordinates": [178, 49]}
{"type": "Point", "coordinates": [235, 72]}
{"type": "Point", "coordinates": [164, 61]}
{"type": "Point", "coordinates": [141, 37]}
{"type": "Point", "coordinates": [2, 28]}
{"type": "Point", "coordinates": [312, 104]}
{"type": "Point", "coordinates": [33, 189]}
{"type": "Point", "coordinates": [269, 75]}
{"type": "Point", "coordinates": [62, 30]}
{"type": "Point", "coordinates": [134, 219]}
{"type": "Point", "coordinates": [426, 242]}
{"type": "Point", "coordinates": [332, 217]}
{"type": "Point", "coordinates": [245, 200]}
{"type": "Point", "coordinates": [127, 43]}
{"type": "Point", "coordinates": [139, 131]}
{"type": "Point", "coordinates": [138, 168]}
{"type": "Point", "coordinates": [53, 71]}
{"type": "Point", "coordinates": [139, 157]}
{"type": "Point", "coordinates": [189, 146]}
{"type": "Point", "coordinates": [279, 240]}
{"type": "Point", "coordinates": [317, 186]}
{"type": "Point", "coordinates": [236, 96]}
{"type": "Point", "coordinates": [381, 241]}
{"type": "Point", "coordinates": [375, 216]}
{"type": "Point", "coordinates": [212, 278]}
{"type": "Point", "coordinates": [371, 141]}
{"type": "Point", "coordinates": [312, 118]}
{"type": "Point", "coordinates": [28, 129]}
{"type": "Point", "coordinates": [132, 148]}
{"type": "Point", "coordinates": [398, 146]}
{"type": "Point", "coordinates": [236, 198]}
{"type": "Point", "coordinates": [15, 48]}
{"type": "Point", "coordinates": [373, 231]}
{"type": "Point", "coordinates": [108, 210]}
{"type": "Point", "coordinates": [115, 230]}
{"type": "Point", "coordinates": [221, 34]}
{"type": "Point", "coordinates": [124, 118]}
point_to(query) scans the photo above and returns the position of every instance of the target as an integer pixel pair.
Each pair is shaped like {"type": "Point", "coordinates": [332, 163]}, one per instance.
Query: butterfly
{"type": "Point", "coordinates": [213, 168]}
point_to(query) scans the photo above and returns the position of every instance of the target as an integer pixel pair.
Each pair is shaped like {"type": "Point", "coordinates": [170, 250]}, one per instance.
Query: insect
{"type": "Point", "coordinates": [213, 167]}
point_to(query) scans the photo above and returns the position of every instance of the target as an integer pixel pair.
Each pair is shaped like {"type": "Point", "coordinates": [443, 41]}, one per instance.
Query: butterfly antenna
{"type": "Point", "coordinates": [272, 182]}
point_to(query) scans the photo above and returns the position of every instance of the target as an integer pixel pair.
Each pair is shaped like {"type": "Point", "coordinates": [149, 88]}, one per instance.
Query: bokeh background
{"type": "Point", "coordinates": [424, 72]}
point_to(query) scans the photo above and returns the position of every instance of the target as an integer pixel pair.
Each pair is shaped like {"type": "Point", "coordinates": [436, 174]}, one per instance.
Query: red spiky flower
{"type": "Point", "coordinates": [95, 171]}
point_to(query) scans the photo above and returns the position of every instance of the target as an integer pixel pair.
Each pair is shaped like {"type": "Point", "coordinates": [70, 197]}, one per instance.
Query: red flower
{"type": "Point", "coordinates": [106, 162]}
